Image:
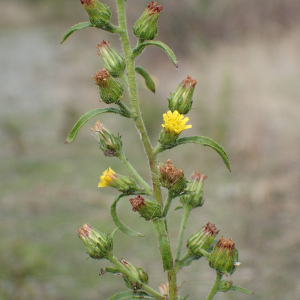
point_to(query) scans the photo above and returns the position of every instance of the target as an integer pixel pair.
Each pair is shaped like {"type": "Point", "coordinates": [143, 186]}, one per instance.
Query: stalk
{"type": "Point", "coordinates": [142, 130]}
{"type": "Point", "coordinates": [215, 287]}
{"type": "Point", "coordinates": [181, 231]}
{"type": "Point", "coordinates": [134, 101]}
{"type": "Point", "coordinates": [133, 278]}
{"type": "Point", "coordinates": [138, 178]}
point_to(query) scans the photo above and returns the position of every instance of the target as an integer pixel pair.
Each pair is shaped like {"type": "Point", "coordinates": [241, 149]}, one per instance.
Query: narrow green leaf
{"type": "Point", "coordinates": [205, 141]}
{"type": "Point", "coordinates": [131, 295]}
{"type": "Point", "coordinates": [121, 226]}
{"type": "Point", "coordinates": [75, 28]}
{"type": "Point", "coordinates": [139, 49]}
{"type": "Point", "coordinates": [148, 80]}
{"type": "Point", "coordinates": [178, 207]}
{"type": "Point", "coordinates": [72, 135]}
{"type": "Point", "coordinates": [240, 289]}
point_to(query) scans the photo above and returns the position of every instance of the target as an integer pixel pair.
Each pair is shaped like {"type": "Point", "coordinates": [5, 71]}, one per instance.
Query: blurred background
{"type": "Point", "coordinates": [245, 56]}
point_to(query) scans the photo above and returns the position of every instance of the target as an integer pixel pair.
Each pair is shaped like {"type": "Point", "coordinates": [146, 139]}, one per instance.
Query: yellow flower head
{"type": "Point", "coordinates": [174, 122]}
{"type": "Point", "coordinates": [108, 176]}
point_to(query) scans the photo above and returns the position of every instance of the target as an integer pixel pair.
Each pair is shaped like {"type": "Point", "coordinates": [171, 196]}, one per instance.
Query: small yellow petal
{"type": "Point", "coordinates": [174, 122]}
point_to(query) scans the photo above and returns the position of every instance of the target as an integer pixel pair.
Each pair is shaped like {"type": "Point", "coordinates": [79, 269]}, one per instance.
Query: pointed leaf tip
{"type": "Point", "coordinates": [75, 28]}
{"type": "Point", "coordinates": [148, 80]}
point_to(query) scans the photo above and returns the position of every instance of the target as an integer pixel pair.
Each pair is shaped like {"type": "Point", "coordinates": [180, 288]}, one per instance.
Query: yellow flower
{"type": "Point", "coordinates": [174, 122]}
{"type": "Point", "coordinates": [108, 176]}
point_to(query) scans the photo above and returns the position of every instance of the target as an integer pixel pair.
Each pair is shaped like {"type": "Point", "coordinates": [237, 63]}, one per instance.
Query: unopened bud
{"type": "Point", "coordinates": [122, 183]}
{"type": "Point", "coordinates": [174, 125]}
{"type": "Point", "coordinates": [164, 289]}
{"type": "Point", "coordinates": [182, 99]}
{"type": "Point", "coordinates": [109, 143]}
{"type": "Point", "coordinates": [98, 245]}
{"type": "Point", "coordinates": [113, 61]}
{"type": "Point", "coordinates": [138, 273]}
{"type": "Point", "coordinates": [225, 285]}
{"type": "Point", "coordinates": [110, 89]}
{"type": "Point", "coordinates": [196, 189]}
{"type": "Point", "coordinates": [201, 240]}
{"type": "Point", "coordinates": [224, 257]}
{"type": "Point", "coordinates": [172, 178]}
{"type": "Point", "coordinates": [99, 14]}
{"type": "Point", "coordinates": [146, 26]}
{"type": "Point", "coordinates": [148, 209]}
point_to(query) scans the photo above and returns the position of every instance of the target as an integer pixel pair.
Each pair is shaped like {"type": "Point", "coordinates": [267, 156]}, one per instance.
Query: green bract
{"type": "Point", "coordinates": [98, 245]}
{"type": "Point", "coordinates": [201, 240]}
{"type": "Point", "coordinates": [110, 89]}
{"type": "Point", "coordinates": [114, 62]}
{"type": "Point", "coordinates": [146, 27]}
{"type": "Point", "coordinates": [99, 14]}
{"type": "Point", "coordinates": [182, 99]}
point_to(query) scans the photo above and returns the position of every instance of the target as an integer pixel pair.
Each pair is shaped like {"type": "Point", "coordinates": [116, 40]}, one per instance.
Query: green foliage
{"type": "Point", "coordinates": [75, 28]}
{"type": "Point", "coordinates": [139, 49]}
{"type": "Point", "coordinates": [91, 114]}
{"type": "Point", "coordinates": [148, 80]}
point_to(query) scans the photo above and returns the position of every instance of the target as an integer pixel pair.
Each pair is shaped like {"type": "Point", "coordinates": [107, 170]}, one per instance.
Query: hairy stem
{"type": "Point", "coordinates": [167, 204]}
{"type": "Point", "coordinates": [215, 287]}
{"type": "Point", "coordinates": [137, 177]}
{"type": "Point", "coordinates": [126, 272]}
{"type": "Point", "coordinates": [134, 101]}
{"type": "Point", "coordinates": [144, 137]}
{"type": "Point", "coordinates": [181, 231]}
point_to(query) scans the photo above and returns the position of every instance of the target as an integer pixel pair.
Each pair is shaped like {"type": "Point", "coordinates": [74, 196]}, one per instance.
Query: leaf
{"type": "Point", "coordinates": [139, 49]}
{"type": "Point", "coordinates": [240, 289]}
{"type": "Point", "coordinates": [178, 207]}
{"type": "Point", "coordinates": [148, 80]}
{"type": "Point", "coordinates": [121, 226]}
{"type": "Point", "coordinates": [72, 135]}
{"type": "Point", "coordinates": [131, 295]}
{"type": "Point", "coordinates": [75, 28]}
{"type": "Point", "coordinates": [202, 140]}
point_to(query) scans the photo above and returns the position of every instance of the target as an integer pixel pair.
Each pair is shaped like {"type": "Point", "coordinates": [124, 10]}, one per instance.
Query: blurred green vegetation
{"type": "Point", "coordinates": [245, 57]}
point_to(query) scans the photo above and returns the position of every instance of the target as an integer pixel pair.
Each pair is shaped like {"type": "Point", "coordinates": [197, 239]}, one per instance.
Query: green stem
{"type": "Point", "coordinates": [124, 78]}
{"type": "Point", "coordinates": [185, 261]}
{"type": "Point", "coordinates": [125, 110]}
{"type": "Point", "coordinates": [215, 287]}
{"type": "Point", "coordinates": [167, 204]}
{"type": "Point", "coordinates": [138, 178]}
{"type": "Point", "coordinates": [159, 148]}
{"type": "Point", "coordinates": [186, 213]}
{"type": "Point", "coordinates": [152, 160]}
{"type": "Point", "coordinates": [126, 272]}
{"type": "Point", "coordinates": [134, 101]}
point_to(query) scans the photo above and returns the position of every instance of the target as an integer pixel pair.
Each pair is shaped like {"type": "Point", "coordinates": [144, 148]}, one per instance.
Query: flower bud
{"type": "Point", "coordinates": [146, 26]}
{"type": "Point", "coordinates": [109, 143]}
{"type": "Point", "coordinates": [99, 14]}
{"type": "Point", "coordinates": [122, 183]}
{"type": "Point", "coordinates": [172, 178]}
{"type": "Point", "coordinates": [182, 99]}
{"type": "Point", "coordinates": [225, 285]}
{"type": "Point", "coordinates": [98, 245]}
{"type": "Point", "coordinates": [148, 209]}
{"type": "Point", "coordinates": [139, 273]}
{"type": "Point", "coordinates": [224, 257]}
{"type": "Point", "coordinates": [196, 189]}
{"type": "Point", "coordinates": [110, 89]}
{"type": "Point", "coordinates": [164, 289]}
{"type": "Point", "coordinates": [114, 62]}
{"type": "Point", "coordinates": [174, 124]}
{"type": "Point", "coordinates": [202, 239]}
